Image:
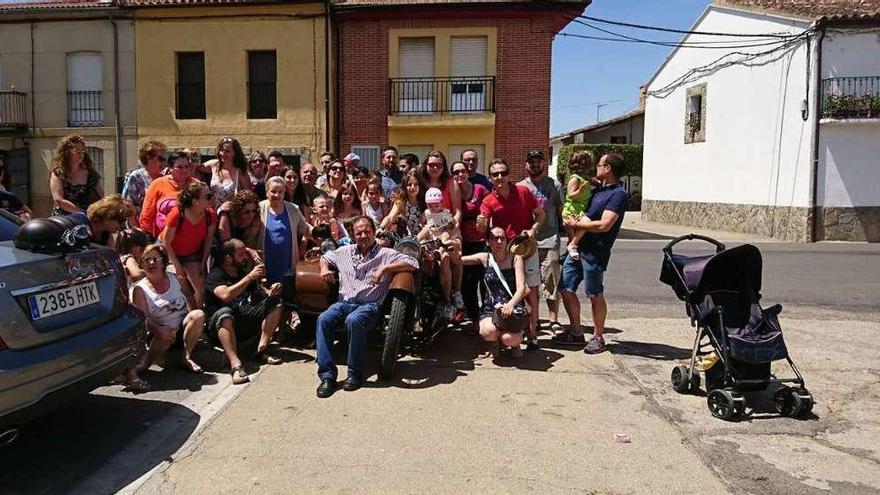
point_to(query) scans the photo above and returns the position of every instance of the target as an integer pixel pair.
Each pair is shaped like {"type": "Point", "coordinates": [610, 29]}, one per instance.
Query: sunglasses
{"type": "Point", "coordinates": [503, 173]}
{"type": "Point", "coordinates": [151, 259]}
{"type": "Point", "coordinates": [460, 171]}
{"type": "Point", "coordinates": [337, 169]}
{"type": "Point", "coordinates": [497, 238]}
{"type": "Point", "coordinates": [258, 160]}
{"type": "Point", "coordinates": [435, 165]}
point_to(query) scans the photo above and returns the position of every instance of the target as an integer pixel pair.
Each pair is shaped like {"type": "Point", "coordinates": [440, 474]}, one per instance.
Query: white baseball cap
{"type": "Point", "coordinates": [433, 196]}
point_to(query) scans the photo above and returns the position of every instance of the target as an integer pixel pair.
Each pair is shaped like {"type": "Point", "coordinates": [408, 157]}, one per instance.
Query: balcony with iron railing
{"type": "Point", "coordinates": [85, 108]}
{"type": "Point", "coordinates": [851, 98]}
{"type": "Point", "coordinates": [13, 111]}
{"type": "Point", "coordinates": [445, 95]}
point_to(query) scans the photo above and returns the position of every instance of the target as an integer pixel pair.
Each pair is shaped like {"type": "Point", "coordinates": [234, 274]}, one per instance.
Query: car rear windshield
{"type": "Point", "coordinates": [8, 225]}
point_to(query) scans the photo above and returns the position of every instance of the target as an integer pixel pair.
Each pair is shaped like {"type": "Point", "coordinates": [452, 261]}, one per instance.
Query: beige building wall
{"type": "Point", "coordinates": [45, 62]}
{"type": "Point", "coordinates": [225, 35]}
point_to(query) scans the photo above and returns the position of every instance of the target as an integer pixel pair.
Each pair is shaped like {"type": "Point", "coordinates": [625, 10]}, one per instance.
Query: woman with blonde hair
{"type": "Point", "coordinates": [73, 181]}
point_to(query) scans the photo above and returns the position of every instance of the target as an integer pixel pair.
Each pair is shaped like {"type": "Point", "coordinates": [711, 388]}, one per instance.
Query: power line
{"type": "Point", "coordinates": [622, 100]}
{"type": "Point", "coordinates": [666, 44]}
{"type": "Point", "coordinates": [689, 44]}
{"type": "Point", "coordinates": [682, 31]}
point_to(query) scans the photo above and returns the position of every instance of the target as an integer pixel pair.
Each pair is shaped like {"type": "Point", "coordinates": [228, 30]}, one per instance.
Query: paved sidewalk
{"type": "Point", "coordinates": [635, 228]}
{"type": "Point", "coordinates": [454, 422]}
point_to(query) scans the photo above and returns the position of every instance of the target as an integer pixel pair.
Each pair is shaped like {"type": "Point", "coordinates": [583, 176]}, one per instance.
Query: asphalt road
{"type": "Point", "coordinates": [825, 277]}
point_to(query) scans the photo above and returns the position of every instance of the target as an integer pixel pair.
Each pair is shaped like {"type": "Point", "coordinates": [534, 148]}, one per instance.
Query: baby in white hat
{"type": "Point", "coordinates": [440, 225]}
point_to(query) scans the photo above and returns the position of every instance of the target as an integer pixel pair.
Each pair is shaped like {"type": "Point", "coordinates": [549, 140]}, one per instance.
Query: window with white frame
{"type": "Point", "coordinates": [85, 96]}
{"type": "Point", "coordinates": [369, 155]}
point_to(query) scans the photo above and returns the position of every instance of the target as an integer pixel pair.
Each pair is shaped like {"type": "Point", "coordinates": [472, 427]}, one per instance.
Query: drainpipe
{"type": "Point", "coordinates": [817, 116]}
{"type": "Point", "coordinates": [326, 75]}
{"type": "Point", "coordinates": [120, 146]}
{"type": "Point", "coordinates": [33, 92]}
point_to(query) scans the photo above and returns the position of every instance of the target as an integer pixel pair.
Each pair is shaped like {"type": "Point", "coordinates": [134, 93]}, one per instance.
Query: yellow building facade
{"type": "Point", "coordinates": [225, 36]}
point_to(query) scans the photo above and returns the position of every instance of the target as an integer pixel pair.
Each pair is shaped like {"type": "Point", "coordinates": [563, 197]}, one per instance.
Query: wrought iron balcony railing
{"type": "Point", "coordinates": [851, 97]}
{"type": "Point", "coordinates": [85, 108]}
{"type": "Point", "coordinates": [427, 95]}
{"type": "Point", "coordinates": [13, 110]}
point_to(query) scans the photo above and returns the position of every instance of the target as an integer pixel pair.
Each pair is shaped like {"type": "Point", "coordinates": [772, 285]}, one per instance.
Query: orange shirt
{"type": "Point", "coordinates": [161, 188]}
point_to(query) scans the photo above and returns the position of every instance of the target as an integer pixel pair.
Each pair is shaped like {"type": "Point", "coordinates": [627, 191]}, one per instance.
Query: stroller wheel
{"type": "Point", "coordinates": [721, 404]}
{"type": "Point", "coordinates": [788, 402]}
{"type": "Point", "coordinates": [680, 382]}
{"type": "Point", "coordinates": [806, 401]}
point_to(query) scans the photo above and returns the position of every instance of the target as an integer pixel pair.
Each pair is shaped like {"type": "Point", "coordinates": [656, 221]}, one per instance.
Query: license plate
{"type": "Point", "coordinates": [63, 300]}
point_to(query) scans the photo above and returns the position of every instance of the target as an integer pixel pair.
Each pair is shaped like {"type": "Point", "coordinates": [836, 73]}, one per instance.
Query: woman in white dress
{"type": "Point", "coordinates": [229, 171]}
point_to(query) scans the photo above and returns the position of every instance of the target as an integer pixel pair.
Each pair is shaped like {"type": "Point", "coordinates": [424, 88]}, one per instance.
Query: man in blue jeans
{"type": "Point", "coordinates": [601, 222]}
{"type": "Point", "coordinates": [364, 270]}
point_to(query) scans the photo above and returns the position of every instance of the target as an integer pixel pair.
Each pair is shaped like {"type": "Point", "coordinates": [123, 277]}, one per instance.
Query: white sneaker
{"type": "Point", "coordinates": [457, 300]}
{"type": "Point", "coordinates": [573, 252]}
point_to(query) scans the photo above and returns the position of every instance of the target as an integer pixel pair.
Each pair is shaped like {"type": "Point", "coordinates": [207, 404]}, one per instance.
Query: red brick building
{"type": "Point", "coordinates": [447, 75]}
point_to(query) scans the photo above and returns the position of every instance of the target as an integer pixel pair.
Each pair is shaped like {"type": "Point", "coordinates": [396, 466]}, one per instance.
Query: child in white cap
{"type": "Point", "coordinates": [440, 225]}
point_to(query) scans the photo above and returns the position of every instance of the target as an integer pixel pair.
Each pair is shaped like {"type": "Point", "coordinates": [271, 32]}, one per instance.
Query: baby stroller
{"type": "Point", "coordinates": [736, 338]}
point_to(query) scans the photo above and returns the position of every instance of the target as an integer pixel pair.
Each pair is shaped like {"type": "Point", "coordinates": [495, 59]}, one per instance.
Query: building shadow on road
{"type": "Point", "coordinates": [650, 350]}
{"type": "Point", "coordinates": [62, 452]}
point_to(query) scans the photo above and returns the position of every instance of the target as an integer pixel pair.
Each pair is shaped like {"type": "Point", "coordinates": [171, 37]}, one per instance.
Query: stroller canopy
{"type": "Point", "coordinates": [736, 269]}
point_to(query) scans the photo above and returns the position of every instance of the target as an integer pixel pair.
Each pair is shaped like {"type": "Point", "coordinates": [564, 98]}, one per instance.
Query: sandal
{"type": "Point", "coordinates": [137, 386]}
{"type": "Point", "coordinates": [191, 366]}
{"type": "Point", "coordinates": [242, 375]}
{"type": "Point", "coordinates": [265, 358]}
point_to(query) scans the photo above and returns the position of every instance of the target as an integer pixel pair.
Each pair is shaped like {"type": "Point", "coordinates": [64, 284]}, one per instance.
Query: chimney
{"type": "Point", "coordinates": [643, 95]}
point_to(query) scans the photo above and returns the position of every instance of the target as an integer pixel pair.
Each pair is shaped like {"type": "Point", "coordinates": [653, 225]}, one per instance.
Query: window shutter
{"type": "Point", "coordinates": [416, 57]}
{"type": "Point", "coordinates": [369, 155]}
{"type": "Point", "coordinates": [468, 56]}
{"type": "Point", "coordinates": [84, 72]}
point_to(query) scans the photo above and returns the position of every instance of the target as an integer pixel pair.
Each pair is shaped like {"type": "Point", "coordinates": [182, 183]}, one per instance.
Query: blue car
{"type": "Point", "coordinates": [66, 325]}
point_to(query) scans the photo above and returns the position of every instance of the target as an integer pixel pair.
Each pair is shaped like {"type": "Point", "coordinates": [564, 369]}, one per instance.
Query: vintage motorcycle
{"type": "Point", "coordinates": [411, 316]}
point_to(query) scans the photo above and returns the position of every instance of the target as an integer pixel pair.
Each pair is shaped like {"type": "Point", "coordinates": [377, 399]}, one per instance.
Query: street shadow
{"type": "Point", "coordinates": [588, 332]}
{"type": "Point", "coordinates": [650, 350]}
{"type": "Point", "coordinates": [450, 356]}
{"type": "Point", "coordinates": [540, 360]}
{"type": "Point", "coordinates": [57, 452]}
{"type": "Point", "coordinates": [641, 236]}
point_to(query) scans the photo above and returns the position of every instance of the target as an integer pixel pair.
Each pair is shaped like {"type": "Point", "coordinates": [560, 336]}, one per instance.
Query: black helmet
{"type": "Point", "coordinates": [52, 235]}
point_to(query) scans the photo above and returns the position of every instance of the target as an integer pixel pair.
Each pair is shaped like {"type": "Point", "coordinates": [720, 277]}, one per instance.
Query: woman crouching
{"type": "Point", "coordinates": [503, 316]}
{"type": "Point", "coordinates": [167, 310]}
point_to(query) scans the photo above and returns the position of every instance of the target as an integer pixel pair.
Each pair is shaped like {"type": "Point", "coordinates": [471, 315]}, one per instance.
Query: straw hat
{"type": "Point", "coordinates": [523, 245]}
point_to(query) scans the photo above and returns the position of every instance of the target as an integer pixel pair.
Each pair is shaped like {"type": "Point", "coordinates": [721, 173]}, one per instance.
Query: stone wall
{"type": "Point", "coordinates": [786, 223]}
{"type": "Point", "coordinates": [850, 224]}
{"type": "Point", "coordinates": [791, 224]}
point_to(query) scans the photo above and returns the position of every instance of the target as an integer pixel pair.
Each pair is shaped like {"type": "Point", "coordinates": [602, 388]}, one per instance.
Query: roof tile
{"type": "Point", "coordinates": [811, 9]}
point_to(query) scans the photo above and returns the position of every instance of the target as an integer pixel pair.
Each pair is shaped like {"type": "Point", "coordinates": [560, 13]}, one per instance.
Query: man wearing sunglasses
{"type": "Point", "coordinates": [514, 208]}
{"type": "Point", "coordinates": [152, 157]}
{"type": "Point", "coordinates": [601, 222]}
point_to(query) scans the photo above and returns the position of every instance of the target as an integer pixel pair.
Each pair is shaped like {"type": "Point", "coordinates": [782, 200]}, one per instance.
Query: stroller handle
{"type": "Point", "coordinates": [689, 237]}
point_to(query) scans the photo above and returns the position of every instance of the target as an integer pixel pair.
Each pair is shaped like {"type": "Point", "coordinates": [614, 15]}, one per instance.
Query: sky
{"type": "Point", "coordinates": [586, 73]}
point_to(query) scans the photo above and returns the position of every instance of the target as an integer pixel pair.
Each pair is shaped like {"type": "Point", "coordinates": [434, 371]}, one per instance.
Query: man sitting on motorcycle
{"type": "Point", "coordinates": [364, 271]}
{"type": "Point", "coordinates": [440, 225]}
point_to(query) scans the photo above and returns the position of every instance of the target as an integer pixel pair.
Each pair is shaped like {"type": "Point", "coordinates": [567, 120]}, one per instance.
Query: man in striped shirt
{"type": "Point", "coordinates": [365, 271]}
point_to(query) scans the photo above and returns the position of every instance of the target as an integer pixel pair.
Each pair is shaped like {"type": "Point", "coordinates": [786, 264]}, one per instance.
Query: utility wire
{"type": "Point", "coordinates": [689, 44]}
{"type": "Point", "coordinates": [682, 31]}
{"type": "Point", "coordinates": [665, 44]}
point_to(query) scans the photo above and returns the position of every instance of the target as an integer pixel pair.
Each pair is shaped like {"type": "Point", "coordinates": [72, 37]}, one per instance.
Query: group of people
{"type": "Point", "coordinates": [212, 247]}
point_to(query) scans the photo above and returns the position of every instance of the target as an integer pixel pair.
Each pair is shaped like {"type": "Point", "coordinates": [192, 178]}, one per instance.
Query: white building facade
{"type": "Point", "coordinates": [760, 143]}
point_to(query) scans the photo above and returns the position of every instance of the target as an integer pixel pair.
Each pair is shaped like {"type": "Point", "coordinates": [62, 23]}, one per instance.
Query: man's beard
{"type": "Point", "coordinates": [533, 173]}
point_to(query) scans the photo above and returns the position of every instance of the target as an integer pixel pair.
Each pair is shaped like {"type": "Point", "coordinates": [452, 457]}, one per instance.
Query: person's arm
{"type": "Point", "coordinates": [206, 244]}
{"type": "Point", "coordinates": [390, 218]}
{"type": "Point", "coordinates": [244, 181]}
{"type": "Point", "coordinates": [226, 293]}
{"type": "Point", "coordinates": [56, 187]}
{"type": "Point", "coordinates": [474, 259]}
{"type": "Point", "coordinates": [134, 271]}
{"type": "Point", "coordinates": [327, 265]}
{"type": "Point", "coordinates": [148, 209]}
{"type": "Point", "coordinates": [521, 290]}
{"type": "Point", "coordinates": [455, 197]}
{"type": "Point", "coordinates": [539, 215]}
{"type": "Point", "coordinates": [224, 227]}
{"type": "Point", "coordinates": [576, 187]}
{"type": "Point", "coordinates": [168, 240]}
{"type": "Point", "coordinates": [392, 268]}
{"type": "Point", "coordinates": [600, 226]}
